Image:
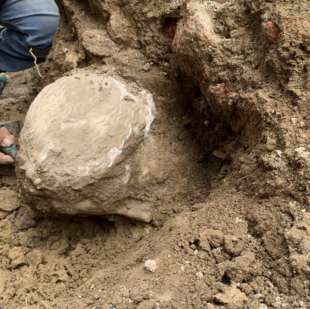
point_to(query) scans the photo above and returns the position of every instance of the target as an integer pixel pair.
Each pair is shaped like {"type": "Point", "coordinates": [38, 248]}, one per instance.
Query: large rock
{"type": "Point", "coordinates": [79, 147]}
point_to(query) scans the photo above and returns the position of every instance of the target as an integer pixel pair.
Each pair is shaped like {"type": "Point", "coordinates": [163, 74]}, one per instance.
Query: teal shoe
{"type": "Point", "coordinates": [10, 151]}
{"type": "Point", "coordinates": [3, 82]}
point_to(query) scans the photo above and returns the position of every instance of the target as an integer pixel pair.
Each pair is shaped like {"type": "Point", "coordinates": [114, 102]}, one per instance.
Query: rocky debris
{"type": "Point", "coordinates": [233, 245]}
{"type": "Point", "coordinates": [211, 237]}
{"type": "Point", "coordinates": [210, 40]}
{"type": "Point", "coordinates": [17, 257]}
{"type": "Point", "coordinates": [199, 275]}
{"type": "Point", "coordinates": [241, 269]}
{"type": "Point", "coordinates": [298, 236]}
{"type": "Point", "coordinates": [34, 258]}
{"type": "Point", "coordinates": [231, 297]}
{"type": "Point", "coordinates": [121, 30]}
{"type": "Point", "coordinates": [8, 200]}
{"type": "Point", "coordinates": [25, 219]}
{"type": "Point", "coordinates": [78, 147]}
{"type": "Point", "coordinates": [151, 265]}
{"type": "Point", "coordinates": [220, 58]}
{"type": "Point", "coordinates": [98, 43]}
{"type": "Point", "coordinates": [298, 239]}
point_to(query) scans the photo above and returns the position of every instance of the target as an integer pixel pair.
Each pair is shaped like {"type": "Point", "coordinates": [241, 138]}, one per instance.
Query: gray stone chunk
{"type": "Point", "coordinates": [78, 145]}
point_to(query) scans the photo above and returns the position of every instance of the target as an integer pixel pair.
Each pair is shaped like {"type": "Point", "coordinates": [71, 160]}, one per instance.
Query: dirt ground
{"type": "Point", "coordinates": [233, 100]}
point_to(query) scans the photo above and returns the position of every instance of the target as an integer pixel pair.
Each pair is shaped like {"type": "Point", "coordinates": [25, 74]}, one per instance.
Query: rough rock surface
{"type": "Point", "coordinates": [8, 200]}
{"type": "Point", "coordinates": [77, 144]}
{"type": "Point", "coordinates": [232, 297]}
{"type": "Point", "coordinates": [241, 60]}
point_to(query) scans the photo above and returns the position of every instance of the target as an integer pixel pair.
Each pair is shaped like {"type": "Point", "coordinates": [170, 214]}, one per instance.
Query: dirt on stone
{"type": "Point", "coordinates": [230, 80]}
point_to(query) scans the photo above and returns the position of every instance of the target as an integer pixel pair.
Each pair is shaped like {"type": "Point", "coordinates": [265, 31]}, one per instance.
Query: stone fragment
{"type": "Point", "coordinates": [17, 257]}
{"type": "Point", "coordinates": [151, 265]}
{"type": "Point", "coordinates": [121, 30]}
{"type": "Point", "coordinates": [8, 200]}
{"type": "Point", "coordinates": [298, 239]}
{"type": "Point", "coordinates": [34, 258]}
{"type": "Point", "coordinates": [211, 237]}
{"type": "Point", "coordinates": [98, 43]}
{"type": "Point", "coordinates": [25, 219]}
{"type": "Point", "coordinates": [241, 268]}
{"type": "Point", "coordinates": [83, 148]}
{"type": "Point", "coordinates": [193, 34]}
{"type": "Point", "coordinates": [199, 275]}
{"type": "Point", "coordinates": [233, 245]}
{"type": "Point", "coordinates": [305, 245]}
{"type": "Point", "coordinates": [232, 297]}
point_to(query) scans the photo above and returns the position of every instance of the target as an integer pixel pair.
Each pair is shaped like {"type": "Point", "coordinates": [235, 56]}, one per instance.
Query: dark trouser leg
{"type": "Point", "coordinates": [27, 24]}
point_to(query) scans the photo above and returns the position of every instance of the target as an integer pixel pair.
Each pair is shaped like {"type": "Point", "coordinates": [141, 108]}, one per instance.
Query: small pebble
{"type": "Point", "coordinates": [199, 275]}
{"type": "Point", "coordinates": [150, 265]}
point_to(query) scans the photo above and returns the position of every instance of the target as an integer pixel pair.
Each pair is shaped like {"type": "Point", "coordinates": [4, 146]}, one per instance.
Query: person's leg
{"type": "Point", "coordinates": [28, 28]}
{"type": "Point", "coordinates": [27, 25]}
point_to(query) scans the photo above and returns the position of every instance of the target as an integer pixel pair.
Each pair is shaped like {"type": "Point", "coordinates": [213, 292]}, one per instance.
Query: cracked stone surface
{"type": "Point", "coordinates": [82, 132]}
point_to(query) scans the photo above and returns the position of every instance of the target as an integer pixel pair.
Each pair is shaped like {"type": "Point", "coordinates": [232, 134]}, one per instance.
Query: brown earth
{"type": "Point", "coordinates": [231, 84]}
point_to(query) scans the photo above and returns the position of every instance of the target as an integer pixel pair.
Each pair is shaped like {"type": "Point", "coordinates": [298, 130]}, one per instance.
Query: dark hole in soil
{"type": "Point", "coordinates": [169, 26]}
{"type": "Point", "coordinates": [196, 242]}
{"type": "Point", "coordinates": [254, 228]}
{"type": "Point", "coordinates": [214, 136]}
{"type": "Point", "coordinates": [226, 279]}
